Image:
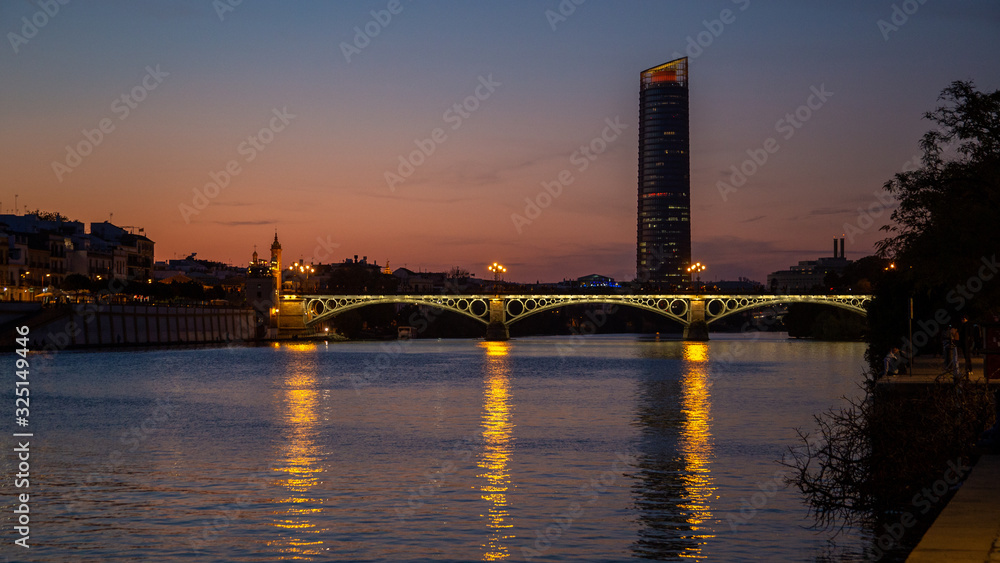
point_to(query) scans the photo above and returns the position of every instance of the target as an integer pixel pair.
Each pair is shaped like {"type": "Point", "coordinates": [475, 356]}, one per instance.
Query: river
{"type": "Point", "coordinates": [604, 448]}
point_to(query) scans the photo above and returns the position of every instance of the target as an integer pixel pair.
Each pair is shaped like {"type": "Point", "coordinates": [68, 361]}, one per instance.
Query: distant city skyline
{"type": "Point", "coordinates": [459, 134]}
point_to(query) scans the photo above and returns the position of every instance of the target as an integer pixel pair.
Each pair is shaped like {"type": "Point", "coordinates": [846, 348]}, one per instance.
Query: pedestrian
{"type": "Point", "coordinates": [965, 341]}
{"type": "Point", "coordinates": [953, 341]}
{"type": "Point", "coordinates": [891, 362]}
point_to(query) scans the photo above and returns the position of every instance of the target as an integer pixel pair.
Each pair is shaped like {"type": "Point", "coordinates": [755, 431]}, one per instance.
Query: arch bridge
{"type": "Point", "coordinates": [498, 312]}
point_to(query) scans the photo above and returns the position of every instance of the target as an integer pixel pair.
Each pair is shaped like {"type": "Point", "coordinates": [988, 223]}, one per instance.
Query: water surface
{"type": "Point", "coordinates": [547, 449]}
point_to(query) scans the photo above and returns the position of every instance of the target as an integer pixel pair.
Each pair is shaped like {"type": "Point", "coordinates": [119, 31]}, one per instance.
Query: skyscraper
{"type": "Point", "coordinates": [663, 239]}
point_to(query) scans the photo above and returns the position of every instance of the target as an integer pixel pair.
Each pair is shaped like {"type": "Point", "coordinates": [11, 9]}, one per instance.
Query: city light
{"type": "Point", "coordinates": [497, 269]}
{"type": "Point", "coordinates": [697, 268]}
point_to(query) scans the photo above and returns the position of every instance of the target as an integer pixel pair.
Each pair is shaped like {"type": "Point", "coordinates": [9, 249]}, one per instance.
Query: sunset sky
{"type": "Point", "coordinates": [341, 109]}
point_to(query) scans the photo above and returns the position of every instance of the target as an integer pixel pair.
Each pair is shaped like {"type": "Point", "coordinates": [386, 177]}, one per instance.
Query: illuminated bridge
{"type": "Point", "coordinates": [498, 312]}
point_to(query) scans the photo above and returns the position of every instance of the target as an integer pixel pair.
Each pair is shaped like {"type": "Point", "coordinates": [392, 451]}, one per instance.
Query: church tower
{"type": "Point", "coordinates": [276, 268]}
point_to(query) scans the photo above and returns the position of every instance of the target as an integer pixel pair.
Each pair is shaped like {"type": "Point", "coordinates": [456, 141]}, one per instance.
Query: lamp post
{"type": "Point", "coordinates": [497, 270]}
{"type": "Point", "coordinates": [697, 268]}
{"type": "Point", "coordinates": [303, 270]}
{"type": "Point", "coordinates": [496, 330]}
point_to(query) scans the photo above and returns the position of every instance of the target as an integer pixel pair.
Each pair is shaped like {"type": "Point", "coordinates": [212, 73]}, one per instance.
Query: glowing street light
{"type": "Point", "coordinates": [697, 268]}
{"type": "Point", "coordinates": [497, 270]}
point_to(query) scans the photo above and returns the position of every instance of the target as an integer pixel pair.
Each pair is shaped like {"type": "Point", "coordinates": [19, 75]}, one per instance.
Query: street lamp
{"type": "Point", "coordinates": [497, 270]}
{"type": "Point", "coordinates": [697, 268]}
{"type": "Point", "coordinates": [303, 270]}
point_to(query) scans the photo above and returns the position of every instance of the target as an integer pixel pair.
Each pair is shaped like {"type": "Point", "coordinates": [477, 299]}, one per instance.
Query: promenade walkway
{"type": "Point", "coordinates": [927, 369]}
{"type": "Point", "coordinates": [968, 529]}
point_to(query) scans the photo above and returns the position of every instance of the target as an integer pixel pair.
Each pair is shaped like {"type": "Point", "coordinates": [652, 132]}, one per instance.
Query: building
{"type": "Point", "coordinates": [261, 293]}
{"type": "Point", "coordinates": [132, 254]}
{"type": "Point", "coordinates": [809, 274]}
{"type": "Point", "coordinates": [43, 248]}
{"type": "Point", "coordinates": [597, 280]}
{"type": "Point", "coordinates": [663, 239]}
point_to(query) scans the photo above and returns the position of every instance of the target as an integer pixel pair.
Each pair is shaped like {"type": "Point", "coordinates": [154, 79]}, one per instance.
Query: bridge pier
{"type": "Point", "coordinates": [497, 329]}
{"type": "Point", "coordinates": [697, 328]}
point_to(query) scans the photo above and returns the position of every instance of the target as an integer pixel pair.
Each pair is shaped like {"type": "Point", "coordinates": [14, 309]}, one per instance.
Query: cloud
{"type": "Point", "coordinates": [753, 219]}
{"type": "Point", "coordinates": [831, 211]}
{"type": "Point", "coordinates": [245, 223]}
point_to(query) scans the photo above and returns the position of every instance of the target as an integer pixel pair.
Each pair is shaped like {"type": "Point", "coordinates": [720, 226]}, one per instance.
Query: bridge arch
{"type": "Point", "coordinates": [518, 307]}
{"type": "Point", "coordinates": [319, 308]}
{"type": "Point", "coordinates": [718, 307]}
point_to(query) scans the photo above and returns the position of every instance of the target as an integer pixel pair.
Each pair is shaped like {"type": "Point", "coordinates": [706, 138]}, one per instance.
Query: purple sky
{"type": "Point", "coordinates": [338, 111]}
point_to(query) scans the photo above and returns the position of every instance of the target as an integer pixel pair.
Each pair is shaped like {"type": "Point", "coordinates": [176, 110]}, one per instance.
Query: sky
{"type": "Point", "coordinates": [424, 134]}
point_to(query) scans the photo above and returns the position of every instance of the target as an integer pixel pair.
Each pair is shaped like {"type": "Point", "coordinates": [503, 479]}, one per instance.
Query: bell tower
{"type": "Point", "coordinates": [276, 255]}
{"type": "Point", "coordinates": [276, 268]}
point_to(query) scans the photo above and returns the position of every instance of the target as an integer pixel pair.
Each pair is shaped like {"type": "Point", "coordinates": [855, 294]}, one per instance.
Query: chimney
{"type": "Point", "coordinates": [835, 247]}
{"type": "Point", "coordinates": [842, 247]}
{"type": "Point", "coordinates": [355, 258]}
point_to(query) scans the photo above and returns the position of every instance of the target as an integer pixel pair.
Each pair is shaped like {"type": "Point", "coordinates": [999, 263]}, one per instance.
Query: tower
{"type": "Point", "coordinates": [276, 268]}
{"type": "Point", "coordinates": [276, 254]}
{"type": "Point", "coordinates": [663, 231]}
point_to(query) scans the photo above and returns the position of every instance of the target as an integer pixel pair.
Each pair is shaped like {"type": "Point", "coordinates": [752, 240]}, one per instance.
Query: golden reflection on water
{"type": "Point", "coordinates": [497, 449]}
{"type": "Point", "coordinates": [696, 444]}
{"type": "Point", "coordinates": [300, 458]}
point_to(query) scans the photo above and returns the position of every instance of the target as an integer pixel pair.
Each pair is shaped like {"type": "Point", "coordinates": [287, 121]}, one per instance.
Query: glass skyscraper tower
{"type": "Point", "coordinates": [663, 241]}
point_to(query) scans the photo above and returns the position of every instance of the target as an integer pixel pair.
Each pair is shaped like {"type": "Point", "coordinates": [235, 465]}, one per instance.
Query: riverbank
{"type": "Point", "coordinates": [968, 529]}
{"type": "Point", "coordinates": [101, 325]}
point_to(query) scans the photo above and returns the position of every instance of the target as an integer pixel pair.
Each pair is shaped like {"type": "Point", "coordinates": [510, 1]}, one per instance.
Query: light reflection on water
{"type": "Point", "coordinates": [498, 445]}
{"type": "Point", "coordinates": [696, 442]}
{"type": "Point", "coordinates": [701, 433]}
{"type": "Point", "coordinates": [674, 488]}
{"type": "Point", "coordinates": [299, 459]}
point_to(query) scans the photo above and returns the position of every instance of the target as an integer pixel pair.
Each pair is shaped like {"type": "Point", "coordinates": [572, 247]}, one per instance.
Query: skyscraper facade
{"type": "Point", "coordinates": [663, 240]}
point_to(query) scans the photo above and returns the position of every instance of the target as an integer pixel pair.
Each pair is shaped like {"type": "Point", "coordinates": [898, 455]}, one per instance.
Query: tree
{"type": "Point", "coordinates": [50, 215]}
{"type": "Point", "coordinates": [943, 233]}
{"type": "Point", "coordinates": [946, 224]}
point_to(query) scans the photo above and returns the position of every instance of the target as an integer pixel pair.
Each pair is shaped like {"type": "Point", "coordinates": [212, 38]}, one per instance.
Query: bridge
{"type": "Point", "coordinates": [497, 312]}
